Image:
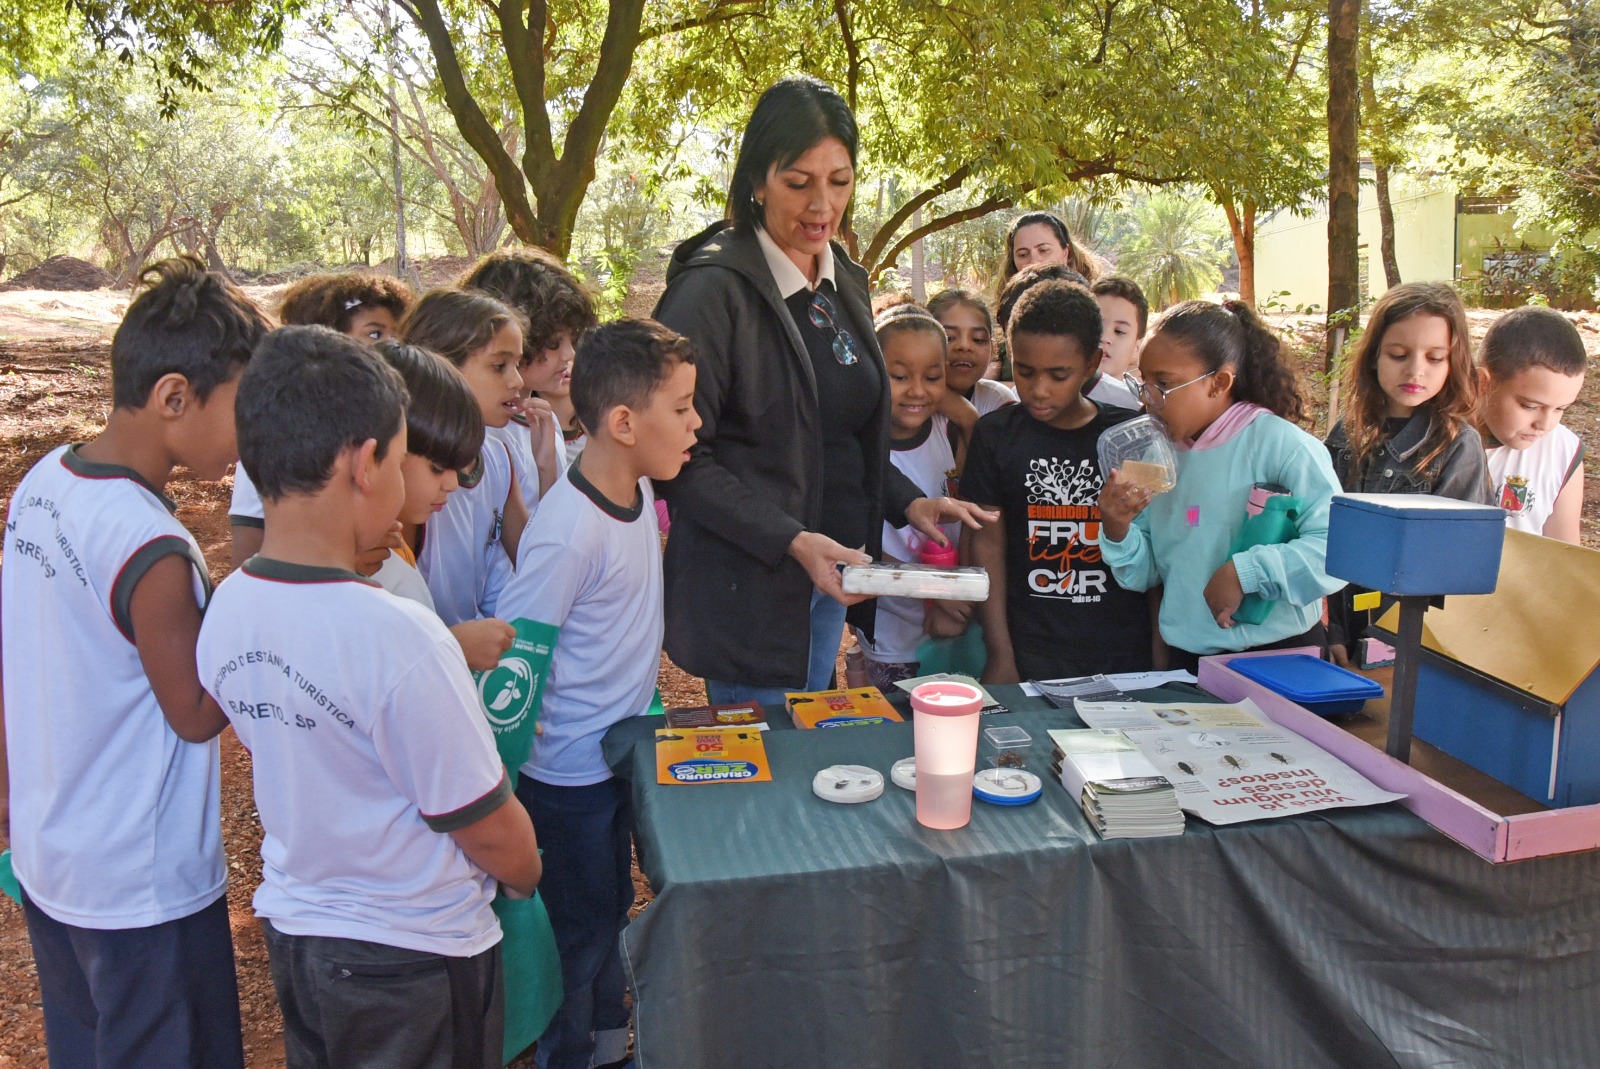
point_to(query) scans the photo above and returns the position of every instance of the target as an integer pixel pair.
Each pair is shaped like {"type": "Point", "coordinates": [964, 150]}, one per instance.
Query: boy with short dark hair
{"type": "Point", "coordinates": [1124, 316]}
{"type": "Point", "coordinates": [1103, 387]}
{"type": "Point", "coordinates": [590, 563]}
{"type": "Point", "coordinates": [1532, 370]}
{"type": "Point", "coordinates": [387, 814]}
{"type": "Point", "coordinates": [113, 761]}
{"type": "Point", "coordinates": [1053, 609]}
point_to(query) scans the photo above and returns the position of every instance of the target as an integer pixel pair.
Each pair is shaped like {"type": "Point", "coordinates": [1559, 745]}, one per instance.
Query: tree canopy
{"type": "Point", "coordinates": [531, 119]}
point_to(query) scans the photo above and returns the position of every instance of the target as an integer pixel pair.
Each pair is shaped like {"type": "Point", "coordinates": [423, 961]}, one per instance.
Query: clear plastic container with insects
{"type": "Point", "coordinates": [1004, 747]}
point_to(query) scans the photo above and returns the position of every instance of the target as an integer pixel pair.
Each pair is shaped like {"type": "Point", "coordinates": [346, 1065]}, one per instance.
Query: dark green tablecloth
{"type": "Point", "coordinates": [789, 931]}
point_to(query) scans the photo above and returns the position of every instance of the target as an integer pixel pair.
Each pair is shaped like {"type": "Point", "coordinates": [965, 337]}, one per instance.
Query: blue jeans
{"type": "Point", "coordinates": [586, 835]}
{"type": "Point", "coordinates": [827, 628]}
{"type": "Point", "coordinates": [163, 995]}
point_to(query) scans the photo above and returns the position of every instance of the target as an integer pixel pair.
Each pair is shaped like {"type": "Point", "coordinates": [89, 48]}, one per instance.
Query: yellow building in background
{"type": "Point", "coordinates": [1440, 235]}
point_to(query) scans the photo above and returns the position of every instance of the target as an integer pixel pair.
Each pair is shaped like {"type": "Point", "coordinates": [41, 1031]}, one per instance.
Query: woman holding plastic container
{"type": "Point", "coordinates": [790, 477]}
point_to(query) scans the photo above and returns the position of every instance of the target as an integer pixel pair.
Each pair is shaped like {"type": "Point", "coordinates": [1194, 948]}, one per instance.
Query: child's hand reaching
{"type": "Point", "coordinates": [1120, 503]}
{"type": "Point", "coordinates": [541, 419]}
{"type": "Point", "coordinates": [947, 619]}
{"type": "Point", "coordinates": [483, 641]}
{"type": "Point", "coordinates": [1223, 594]}
{"type": "Point", "coordinates": [370, 560]}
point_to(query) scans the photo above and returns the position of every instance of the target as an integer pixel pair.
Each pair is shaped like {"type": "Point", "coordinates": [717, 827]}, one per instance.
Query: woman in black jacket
{"type": "Point", "coordinates": [790, 477]}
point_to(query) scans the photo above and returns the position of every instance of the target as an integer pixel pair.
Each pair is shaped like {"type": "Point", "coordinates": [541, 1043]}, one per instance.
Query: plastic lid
{"type": "Point", "coordinates": [947, 698]}
{"type": "Point", "coordinates": [1006, 786]}
{"type": "Point", "coordinates": [1303, 678]}
{"type": "Point", "coordinates": [904, 773]}
{"type": "Point", "coordinates": [847, 783]}
{"type": "Point", "coordinates": [1008, 737]}
{"type": "Point", "coordinates": [1418, 506]}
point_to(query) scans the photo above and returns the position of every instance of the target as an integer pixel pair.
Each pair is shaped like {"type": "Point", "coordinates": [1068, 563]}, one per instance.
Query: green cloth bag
{"type": "Point", "coordinates": [8, 879]}
{"type": "Point", "coordinates": [511, 693]}
{"type": "Point", "coordinates": [532, 970]}
{"type": "Point", "coordinates": [512, 690]}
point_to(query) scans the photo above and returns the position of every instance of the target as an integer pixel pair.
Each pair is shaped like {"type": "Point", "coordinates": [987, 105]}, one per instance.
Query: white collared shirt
{"type": "Point", "coordinates": [790, 278]}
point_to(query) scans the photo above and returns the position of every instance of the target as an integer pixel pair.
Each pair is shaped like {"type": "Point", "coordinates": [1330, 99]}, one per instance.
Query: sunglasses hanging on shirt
{"type": "Point", "coordinates": [820, 312]}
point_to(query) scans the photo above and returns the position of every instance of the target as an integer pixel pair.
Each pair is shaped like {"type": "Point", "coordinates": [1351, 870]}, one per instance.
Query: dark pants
{"type": "Point", "coordinates": [586, 834]}
{"type": "Point", "coordinates": [350, 1004]}
{"type": "Point", "coordinates": [1317, 636]}
{"type": "Point", "coordinates": [162, 997]}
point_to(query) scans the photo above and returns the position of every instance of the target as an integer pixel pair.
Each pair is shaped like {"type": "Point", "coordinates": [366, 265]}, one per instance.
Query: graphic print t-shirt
{"type": "Point", "coordinates": [1066, 613]}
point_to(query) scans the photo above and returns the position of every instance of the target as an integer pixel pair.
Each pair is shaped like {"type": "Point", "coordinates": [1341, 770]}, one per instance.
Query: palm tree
{"type": "Point", "coordinates": [1178, 248]}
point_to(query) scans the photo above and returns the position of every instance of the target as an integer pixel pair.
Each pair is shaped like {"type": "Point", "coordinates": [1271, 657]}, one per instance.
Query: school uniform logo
{"type": "Point", "coordinates": [1515, 494]}
{"type": "Point", "coordinates": [1064, 530]}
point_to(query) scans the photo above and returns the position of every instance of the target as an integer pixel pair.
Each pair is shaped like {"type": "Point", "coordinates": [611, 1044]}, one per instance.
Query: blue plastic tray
{"type": "Point", "coordinates": [1324, 688]}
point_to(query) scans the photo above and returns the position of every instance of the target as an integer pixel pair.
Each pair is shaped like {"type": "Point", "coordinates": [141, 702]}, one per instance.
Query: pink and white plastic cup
{"type": "Point", "coordinates": [945, 724]}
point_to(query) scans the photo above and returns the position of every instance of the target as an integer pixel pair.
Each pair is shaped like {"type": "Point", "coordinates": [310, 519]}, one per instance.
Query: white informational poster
{"type": "Point", "coordinates": [1230, 764]}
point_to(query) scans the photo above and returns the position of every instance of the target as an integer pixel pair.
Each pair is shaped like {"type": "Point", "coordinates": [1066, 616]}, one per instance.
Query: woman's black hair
{"type": "Point", "coordinates": [443, 422]}
{"type": "Point", "coordinates": [792, 116]}
{"type": "Point", "coordinates": [1232, 335]}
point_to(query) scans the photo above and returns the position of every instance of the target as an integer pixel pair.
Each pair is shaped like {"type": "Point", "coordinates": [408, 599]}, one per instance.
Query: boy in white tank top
{"type": "Point", "coordinates": [1532, 369]}
{"type": "Point", "coordinates": [387, 815]}
{"type": "Point", "coordinates": [113, 787]}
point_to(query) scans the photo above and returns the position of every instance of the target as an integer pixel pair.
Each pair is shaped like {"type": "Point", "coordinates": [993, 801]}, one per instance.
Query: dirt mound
{"type": "Point", "coordinates": [61, 273]}
{"type": "Point", "coordinates": [442, 270]}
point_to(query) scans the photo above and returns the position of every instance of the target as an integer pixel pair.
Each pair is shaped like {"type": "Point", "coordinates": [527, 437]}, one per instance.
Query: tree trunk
{"type": "Point", "coordinates": [1242, 225]}
{"type": "Point", "coordinates": [919, 264]}
{"type": "Point", "coordinates": [214, 261]}
{"type": "Point", "coordinates": [1344, 174]}
{"type": "Point", "coordinates": [1381, 159]}
{"type": "Point", "coordinates": [1391, 264]}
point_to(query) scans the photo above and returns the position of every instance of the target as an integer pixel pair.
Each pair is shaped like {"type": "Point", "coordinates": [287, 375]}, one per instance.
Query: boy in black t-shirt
{"type": "Point", "coordinates": [1053, 610]}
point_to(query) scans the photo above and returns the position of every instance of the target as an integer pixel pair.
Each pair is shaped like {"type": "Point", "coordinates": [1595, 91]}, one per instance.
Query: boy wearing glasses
{"type": "Point", "coordinates": [1054, 609]}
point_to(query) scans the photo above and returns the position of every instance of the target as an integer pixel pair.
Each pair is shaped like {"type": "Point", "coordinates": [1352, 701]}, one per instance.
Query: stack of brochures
{"type": "Point", "coordinates": [1120, 791]}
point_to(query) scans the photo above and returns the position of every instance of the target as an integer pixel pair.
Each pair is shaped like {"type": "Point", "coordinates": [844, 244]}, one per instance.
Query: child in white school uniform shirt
{"type": "Point", "coordinates": [469, 545]}
{"type": "Point", "coordinates": [110, 770]}
{"type": "Point", "coordinates": [590, 564]}
{"type": "Point", "coordinates": [386, 813]}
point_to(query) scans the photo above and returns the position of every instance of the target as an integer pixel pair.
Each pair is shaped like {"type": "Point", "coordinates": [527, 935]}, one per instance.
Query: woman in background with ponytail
{"type": "Point", "coordinates": [1036, 238]}
{"type": "Point", "coordinates": [1215, 376]}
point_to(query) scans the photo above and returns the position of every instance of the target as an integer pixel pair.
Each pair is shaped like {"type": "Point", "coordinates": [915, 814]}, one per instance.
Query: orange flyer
{"type": "Point", "coordinates": [841, 708]}
{"type": "Point", "coordinates": [711, 755]}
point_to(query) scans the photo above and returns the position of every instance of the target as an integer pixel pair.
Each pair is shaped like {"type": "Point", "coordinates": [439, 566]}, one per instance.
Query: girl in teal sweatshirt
{"type": "Point", "coordinates": [1214, 375]}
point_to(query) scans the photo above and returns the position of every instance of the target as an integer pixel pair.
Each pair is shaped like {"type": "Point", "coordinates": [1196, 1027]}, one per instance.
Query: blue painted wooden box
{"type": "Point", "coordinates": [1414, 543]}
{"type": "Point", "coordinates": [1509, 681]}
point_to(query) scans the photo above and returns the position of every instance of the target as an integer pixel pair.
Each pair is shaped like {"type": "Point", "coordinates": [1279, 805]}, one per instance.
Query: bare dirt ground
{"type": "Point", "coordinates": [54, 388]}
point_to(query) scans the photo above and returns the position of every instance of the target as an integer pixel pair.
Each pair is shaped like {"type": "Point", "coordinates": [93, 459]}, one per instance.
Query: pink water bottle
{"type": "Point", "coordinates": [944, 723]}
{"type": "Point", "coordinates": [939, 556]}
